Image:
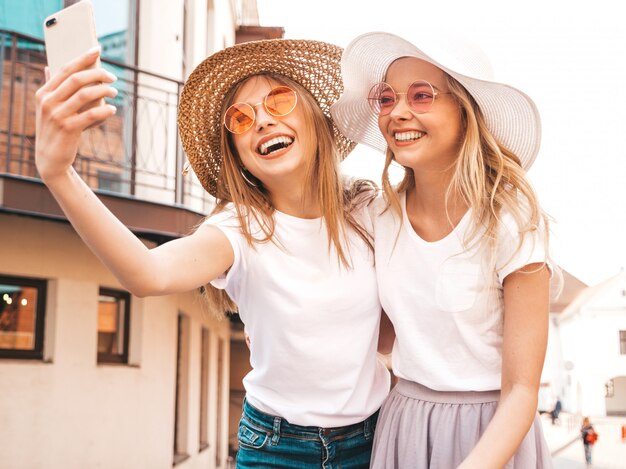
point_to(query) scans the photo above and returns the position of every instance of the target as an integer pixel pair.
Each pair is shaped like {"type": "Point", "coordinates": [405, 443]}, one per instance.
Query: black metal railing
{"type": "Point", "coordinates": [135, 153]}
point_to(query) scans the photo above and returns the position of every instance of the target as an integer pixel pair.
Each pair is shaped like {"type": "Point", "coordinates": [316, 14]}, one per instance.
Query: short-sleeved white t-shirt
{"type": "Point", "coordinates": [446, 311]}
{"type": "Point", "coordinates": [313, 324]}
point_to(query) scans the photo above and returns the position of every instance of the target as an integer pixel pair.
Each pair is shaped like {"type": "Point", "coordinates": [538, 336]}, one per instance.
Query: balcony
{"type": "Point", "coordinates": [133, 161]}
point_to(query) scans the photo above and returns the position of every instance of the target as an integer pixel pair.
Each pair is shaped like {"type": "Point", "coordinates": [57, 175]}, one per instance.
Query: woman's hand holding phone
{"type": "Point", "coordinates": [62, 112]}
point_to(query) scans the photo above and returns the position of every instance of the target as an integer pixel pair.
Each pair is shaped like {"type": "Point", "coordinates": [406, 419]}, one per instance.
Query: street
{"type": "Point", "coordinates": [608, 453]}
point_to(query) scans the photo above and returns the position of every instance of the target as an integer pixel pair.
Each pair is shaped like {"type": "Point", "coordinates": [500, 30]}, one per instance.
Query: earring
{"type": "Point", "coordinates": [243, 175]}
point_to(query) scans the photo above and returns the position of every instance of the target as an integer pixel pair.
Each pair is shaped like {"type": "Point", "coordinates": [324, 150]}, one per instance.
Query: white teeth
{"type": "Point", "coordinates": [282, 140]}
{"type": "Point", "coordinates": [406, 136]}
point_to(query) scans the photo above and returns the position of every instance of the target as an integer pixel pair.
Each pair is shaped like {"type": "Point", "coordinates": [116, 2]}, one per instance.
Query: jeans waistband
{"type": "Point", "coordinates": [280, 426]}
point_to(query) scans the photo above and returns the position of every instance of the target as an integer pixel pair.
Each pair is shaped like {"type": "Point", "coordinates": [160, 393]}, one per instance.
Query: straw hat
{"type": "Point", "coordinates": [510, 114]}
{"type": "Point", "coordinates": [314, 65]}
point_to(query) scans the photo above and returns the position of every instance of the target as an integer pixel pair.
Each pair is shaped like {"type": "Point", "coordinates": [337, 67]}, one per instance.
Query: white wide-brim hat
{"type": "Point", "coordinates": [512, 117]}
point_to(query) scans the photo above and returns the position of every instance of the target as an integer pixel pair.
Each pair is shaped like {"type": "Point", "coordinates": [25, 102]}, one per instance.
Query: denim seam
{"type": "Point", "coordinates": [299, 437]}
{"type": "Point", "coordinates": [325, 452]}
{"type": "Point", "coordinates": [252, 446]}
{"type": "Point", "coordinates": [249, 446]}
{"type": "Point", "coordinates": [276, 431]}
{"type": "Point", "coordinates": [268, 430]}
{"type": "Point", "coordinates": [256, 425]}
{"type": "Point", "coordinates": [346, 436]}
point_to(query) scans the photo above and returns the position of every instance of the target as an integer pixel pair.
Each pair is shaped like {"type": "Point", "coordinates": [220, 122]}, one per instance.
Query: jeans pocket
{"type": "Point", "coordinates": [251, 437]}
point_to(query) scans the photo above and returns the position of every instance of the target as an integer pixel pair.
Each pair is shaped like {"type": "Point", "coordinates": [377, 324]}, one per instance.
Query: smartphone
{"type": "Point", "coordinates": [68, 34]}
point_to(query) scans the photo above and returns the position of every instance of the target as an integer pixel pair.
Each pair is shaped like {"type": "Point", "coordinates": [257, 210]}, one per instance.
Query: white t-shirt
{"type": "Point", "coordinates": [447, 313]}
{"type": "Point", "coordinates": [313, 324]}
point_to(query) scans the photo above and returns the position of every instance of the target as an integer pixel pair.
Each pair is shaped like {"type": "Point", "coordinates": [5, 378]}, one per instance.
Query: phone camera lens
{"type": "Point", "coordinates": [51, 22]}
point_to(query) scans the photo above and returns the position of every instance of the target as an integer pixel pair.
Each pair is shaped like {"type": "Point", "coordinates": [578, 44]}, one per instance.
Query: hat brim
{"type": "Point", "coordinates": [510, 114]}
{"type": "Point", "coordinates": [315, 65]}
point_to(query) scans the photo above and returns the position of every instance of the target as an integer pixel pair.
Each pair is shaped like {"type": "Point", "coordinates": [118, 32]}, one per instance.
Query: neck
{"type": "Point", "coordinates": [297, 201]}
{"type": "Point", "coordinates": [428, 194]}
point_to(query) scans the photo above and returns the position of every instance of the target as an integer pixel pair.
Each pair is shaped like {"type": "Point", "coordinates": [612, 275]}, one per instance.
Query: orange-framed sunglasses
{"type": "Point", "coordinates": [279, 102]}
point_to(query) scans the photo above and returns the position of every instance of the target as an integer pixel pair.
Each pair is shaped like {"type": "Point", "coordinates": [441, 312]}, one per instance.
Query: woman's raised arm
{"type": "Point", "coordinates": [179, 265]}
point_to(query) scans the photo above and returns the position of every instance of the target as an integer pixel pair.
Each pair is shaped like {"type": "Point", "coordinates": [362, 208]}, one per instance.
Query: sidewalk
{"type": "Point", "coordinates": [562, 433]}
{"type": "Point", "coordinates": [567, 449]}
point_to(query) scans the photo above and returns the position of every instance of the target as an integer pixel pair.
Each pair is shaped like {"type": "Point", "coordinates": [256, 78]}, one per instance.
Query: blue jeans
{"type": "Point", "coordinates": [266, 441]}
{"type": "Point", "coordinates": [588, 449]}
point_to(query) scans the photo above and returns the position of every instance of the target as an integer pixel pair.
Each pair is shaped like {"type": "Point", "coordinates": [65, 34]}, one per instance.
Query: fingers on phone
{"type": "Point", "coordinates": [76, 82]}
{"type": "Point", "coordinates": [85, 96]}
{"type": "Point", "coordinates": [91, 117]}
{"type": "Point", "coordinates": [83, 62]}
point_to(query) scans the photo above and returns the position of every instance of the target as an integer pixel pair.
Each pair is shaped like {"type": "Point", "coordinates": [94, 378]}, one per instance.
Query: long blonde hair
{"type": "Point", "coordinates": [487, 176]}
{"type": "Point", "coordinates": [252, 203]}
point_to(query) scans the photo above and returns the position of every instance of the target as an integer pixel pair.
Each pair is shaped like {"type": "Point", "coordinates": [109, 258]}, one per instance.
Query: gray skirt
{"type": "Point", "coordinates": [426, 429]}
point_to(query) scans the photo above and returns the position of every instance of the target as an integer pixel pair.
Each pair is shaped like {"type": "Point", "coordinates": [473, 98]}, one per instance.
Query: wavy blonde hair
{"type": "Point", "coordinates": [487, 176]}
{"type": "Point", "coordinates": [253, 205]}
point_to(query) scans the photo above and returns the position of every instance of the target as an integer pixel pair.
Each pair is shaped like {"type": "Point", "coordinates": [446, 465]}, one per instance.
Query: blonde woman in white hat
{"type": "Point", "coordinates": [289, 244]}
{"type": "Point", "coordinates": [461, 252]}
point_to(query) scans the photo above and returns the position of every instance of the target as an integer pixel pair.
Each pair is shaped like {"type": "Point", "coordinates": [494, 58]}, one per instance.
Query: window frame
{"type": "Point", "coordinates": [181, 398]}
{"type": "Point", "coordinates": [35, 353]}
{"type": "Point", "coordinates": [116, 358]}
{"type": "Point", "coordinates": [205, 369]}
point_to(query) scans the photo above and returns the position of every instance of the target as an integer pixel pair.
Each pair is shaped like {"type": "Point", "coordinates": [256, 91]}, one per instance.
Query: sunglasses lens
{"type": "Point", "coordinates": [382, 98]}
{"type": "Point", "coordinates": [239, 118]}
{"type": "Point", "coordinates": [420, 96]}
{"type": "Point", "coordinates": [281, 101]}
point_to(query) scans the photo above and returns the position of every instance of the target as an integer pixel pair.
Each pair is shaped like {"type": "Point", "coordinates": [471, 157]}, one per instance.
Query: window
{"type": "Point", "coordinates": [204, 389]}
{"type": "Point", "coordinates": [220, 402]}
{"type": "Point", "coordinates": [26, 16]}
{"type": "Point", "coordinates": [182, 390]}
{"type": "Point", "coordinates": [22, 315]}
{"type": "Point", "coordinates": [622, 342]}
{"type": "Point", "coordinates": [109, 181]}
{"type": "Point", "coordinates": [113, 326]}
{"type": "Point", "coordinates": [115, 25]}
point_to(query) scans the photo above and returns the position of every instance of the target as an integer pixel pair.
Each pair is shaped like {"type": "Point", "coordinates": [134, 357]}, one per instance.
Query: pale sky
{"type": "Point", "coordinates": [569, 56]}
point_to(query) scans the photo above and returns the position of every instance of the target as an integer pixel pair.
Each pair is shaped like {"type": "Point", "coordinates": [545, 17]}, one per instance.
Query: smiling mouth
{"type": "Point", "coordinates": [273, 145]}
{"type": "Point", "coordinates": [409, 136]}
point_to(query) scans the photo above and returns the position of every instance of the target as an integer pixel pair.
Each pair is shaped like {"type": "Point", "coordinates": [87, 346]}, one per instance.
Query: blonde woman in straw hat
{"type": "Point", "coordinates": [289, 244]}
{"type": "Point", "coordinates": [461, 252]}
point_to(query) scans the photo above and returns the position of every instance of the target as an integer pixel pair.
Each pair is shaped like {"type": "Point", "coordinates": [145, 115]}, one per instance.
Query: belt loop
{"type": "Point", "coordinates": [367, 428]}
{"type": "Point", "coordinates": [276, 431]}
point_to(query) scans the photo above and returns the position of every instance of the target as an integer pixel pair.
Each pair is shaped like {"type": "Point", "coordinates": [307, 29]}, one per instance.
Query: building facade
{"type": "Point", "coordinates": [585, 363]}
{"type": "Point", "coordinates": [592, 334]}
{"type": "Point", "coordinates": [92, 376]}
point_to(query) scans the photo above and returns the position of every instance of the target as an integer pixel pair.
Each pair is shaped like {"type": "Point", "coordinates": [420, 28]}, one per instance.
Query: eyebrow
{"type": "Point", "coordinates": [435, 87]}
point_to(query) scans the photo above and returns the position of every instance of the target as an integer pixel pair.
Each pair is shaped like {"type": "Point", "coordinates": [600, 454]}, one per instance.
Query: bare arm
{"type": "Point", "coordinates": [526, 307]}
{"type": "Point", "coordinates": [179, 265]}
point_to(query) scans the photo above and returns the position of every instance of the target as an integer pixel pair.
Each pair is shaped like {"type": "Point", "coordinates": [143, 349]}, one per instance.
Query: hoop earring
{"type": "Point", "coordinates": [243, 175]}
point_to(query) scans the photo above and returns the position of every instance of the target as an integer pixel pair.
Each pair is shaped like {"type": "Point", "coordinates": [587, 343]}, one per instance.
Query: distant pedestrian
{"type": "Point", "coordinates": [554, 414]}
{"type": "Point", "coordinates": [589, 436]}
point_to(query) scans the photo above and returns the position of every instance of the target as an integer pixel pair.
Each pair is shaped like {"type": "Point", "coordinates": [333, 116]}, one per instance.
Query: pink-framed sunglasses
{"type": "Point", "coordinates": [420, 96]}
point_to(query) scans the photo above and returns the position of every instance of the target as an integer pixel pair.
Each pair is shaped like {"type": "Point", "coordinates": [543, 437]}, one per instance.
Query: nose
{"type": "Point", "coordinates": [263, 118]}
{"type": "Point", "coordinates": [401, 108]}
